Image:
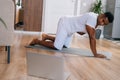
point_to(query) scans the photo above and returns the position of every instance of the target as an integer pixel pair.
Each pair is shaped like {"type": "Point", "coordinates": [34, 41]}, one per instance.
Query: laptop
{"type": "Point", "coordinates": [45, 66]}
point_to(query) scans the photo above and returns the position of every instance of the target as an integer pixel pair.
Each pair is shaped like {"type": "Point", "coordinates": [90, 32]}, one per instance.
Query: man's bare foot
{"type": "Point", "coordinates": [34, 41]}
{"type": "Point", "coordinates": [44, 37]}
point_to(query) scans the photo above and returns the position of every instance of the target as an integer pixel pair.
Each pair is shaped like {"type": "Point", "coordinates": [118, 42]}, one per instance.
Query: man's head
{"type": "Point", "coordinates": [105, 18]}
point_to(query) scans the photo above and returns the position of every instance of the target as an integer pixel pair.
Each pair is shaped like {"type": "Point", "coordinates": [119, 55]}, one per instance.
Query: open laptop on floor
{"type": "Point", "coordinates": [45, 66]}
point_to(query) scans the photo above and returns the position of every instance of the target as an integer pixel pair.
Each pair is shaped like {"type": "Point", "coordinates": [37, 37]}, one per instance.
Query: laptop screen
{"type": "Point", "coordinates": [45, 66]}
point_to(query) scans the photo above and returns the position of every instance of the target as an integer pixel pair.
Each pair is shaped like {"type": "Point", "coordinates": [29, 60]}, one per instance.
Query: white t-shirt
{"type": "Point", "coordinates": [69, 25]}
{"type": "Point", "coordinates": [78, 23]}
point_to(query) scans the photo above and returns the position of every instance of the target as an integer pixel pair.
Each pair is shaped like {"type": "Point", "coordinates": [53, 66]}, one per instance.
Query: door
{"type": "Point", "coordinates": [32, 14]}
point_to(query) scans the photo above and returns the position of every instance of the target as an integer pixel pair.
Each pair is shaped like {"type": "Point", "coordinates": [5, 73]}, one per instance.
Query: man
{"type": "Point", "coordinates": [80, 24]}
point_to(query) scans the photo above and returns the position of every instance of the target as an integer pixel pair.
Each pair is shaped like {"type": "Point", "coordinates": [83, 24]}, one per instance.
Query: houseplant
{"type": "Point", "coordinates": [1, 20]}
{"type": "Point", "coordinates": [18, 3]}
{"type": "Point", "coordinates": [97, 8]}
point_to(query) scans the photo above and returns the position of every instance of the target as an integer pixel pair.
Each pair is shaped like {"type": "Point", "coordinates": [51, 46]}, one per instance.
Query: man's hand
{"type": "Point", "coordinates": [99, 56]}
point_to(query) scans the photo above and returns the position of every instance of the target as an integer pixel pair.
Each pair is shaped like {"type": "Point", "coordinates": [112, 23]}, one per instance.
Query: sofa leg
{"type": "Point", "coordinates": [7, 48]}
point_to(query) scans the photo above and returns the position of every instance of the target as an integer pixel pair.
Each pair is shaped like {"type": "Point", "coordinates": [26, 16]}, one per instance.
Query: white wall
{"type": "Point", "coordinates": [53, 10]}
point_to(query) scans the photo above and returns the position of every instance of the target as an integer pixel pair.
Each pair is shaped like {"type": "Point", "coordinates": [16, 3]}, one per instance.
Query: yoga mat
{"type": "Point", "coordinates": [74, 51]}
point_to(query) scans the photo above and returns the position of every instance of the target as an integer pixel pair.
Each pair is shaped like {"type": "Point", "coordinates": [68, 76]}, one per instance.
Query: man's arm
{"type": "Point", "coordinates": [91, 33]}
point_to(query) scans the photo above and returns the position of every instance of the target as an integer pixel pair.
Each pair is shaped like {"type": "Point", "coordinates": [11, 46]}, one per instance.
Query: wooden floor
{"type": "Point", "coordinates": [80, 68]}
